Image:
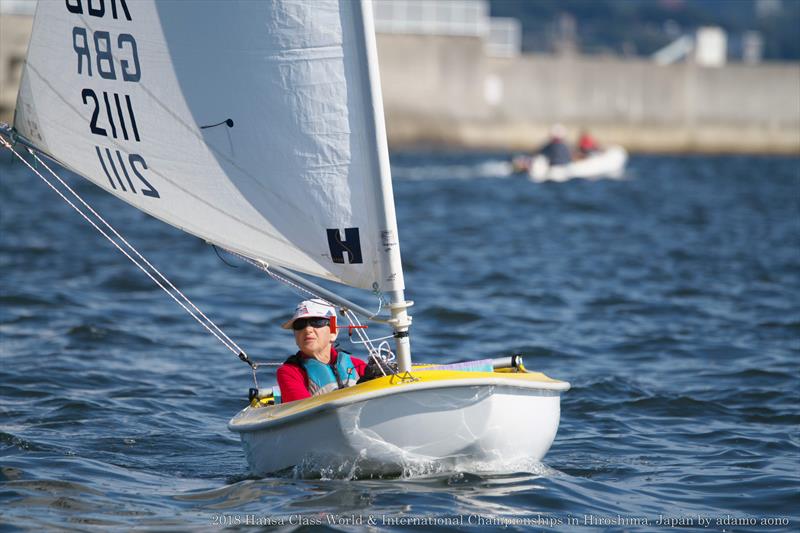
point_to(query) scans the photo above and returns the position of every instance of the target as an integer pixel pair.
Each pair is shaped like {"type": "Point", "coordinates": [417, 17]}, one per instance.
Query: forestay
{"type": "Point", "coordinates": [127, 94]}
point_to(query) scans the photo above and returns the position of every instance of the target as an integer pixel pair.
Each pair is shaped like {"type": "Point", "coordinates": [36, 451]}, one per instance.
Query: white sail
{"type": "Point", "coordinates": [121, 92]}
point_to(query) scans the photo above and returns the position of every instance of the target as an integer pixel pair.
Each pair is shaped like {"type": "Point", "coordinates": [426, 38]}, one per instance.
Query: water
{"type": "Point", "coordinates": [669, 300]}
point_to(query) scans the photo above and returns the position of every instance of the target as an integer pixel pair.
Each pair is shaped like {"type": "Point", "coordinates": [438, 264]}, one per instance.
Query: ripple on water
{"type": "Point", "coordinates": [93, 333]}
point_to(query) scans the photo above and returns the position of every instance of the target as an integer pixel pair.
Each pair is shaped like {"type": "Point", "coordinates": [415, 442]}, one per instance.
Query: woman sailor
{"type": "Point", "coordinates": [317, 367]}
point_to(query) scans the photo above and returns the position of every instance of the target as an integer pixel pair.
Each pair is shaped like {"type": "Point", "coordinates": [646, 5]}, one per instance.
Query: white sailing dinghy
{"type": "Point", "coordinates": [258, 126]}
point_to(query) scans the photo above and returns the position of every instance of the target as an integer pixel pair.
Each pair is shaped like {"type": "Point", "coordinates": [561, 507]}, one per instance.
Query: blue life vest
{"type": "Point", "coordinates": [324, 378]}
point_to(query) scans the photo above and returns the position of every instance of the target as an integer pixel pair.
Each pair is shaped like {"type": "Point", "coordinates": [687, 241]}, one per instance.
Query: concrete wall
{"type": "Point", "coordinates": [15, 31]}
{"type": "Point", "coordinates": [435, 91]}
{"type": "Point", "coordinates": [444, 90]}
{"type": "Point", "coordinates": [431, 84]}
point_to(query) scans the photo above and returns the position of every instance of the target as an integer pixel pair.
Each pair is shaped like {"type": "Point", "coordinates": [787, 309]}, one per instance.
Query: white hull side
{"type": "Point", "coordinates": [610, 163]}
{"type": "Point", "coordinates": [450, 427]}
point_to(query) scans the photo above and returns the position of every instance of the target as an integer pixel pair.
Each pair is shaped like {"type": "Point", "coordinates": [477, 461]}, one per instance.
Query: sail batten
{"type": "Point", "coordinates": [248, 124]}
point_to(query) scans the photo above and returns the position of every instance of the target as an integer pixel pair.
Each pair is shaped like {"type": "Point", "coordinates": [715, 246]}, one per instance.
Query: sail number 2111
{"type": "Point", "coordinates": [115, 58]}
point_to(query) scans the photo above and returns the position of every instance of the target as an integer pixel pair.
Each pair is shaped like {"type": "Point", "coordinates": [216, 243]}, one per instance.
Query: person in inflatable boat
{"type": "Point", "coordinates": [556, 149]}
{"type": "Point", "coordinates": [587, 145]}
{"type": "Point", "coordinates": [317, 367]}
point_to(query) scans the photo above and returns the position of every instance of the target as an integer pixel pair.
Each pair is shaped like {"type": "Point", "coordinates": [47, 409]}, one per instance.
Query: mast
{"type": "Point", "coordinates": [401, 320]}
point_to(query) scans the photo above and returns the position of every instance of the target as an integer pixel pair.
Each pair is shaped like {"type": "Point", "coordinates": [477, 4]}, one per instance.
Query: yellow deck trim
{"type": "Point", "coordinates": [419, 375]}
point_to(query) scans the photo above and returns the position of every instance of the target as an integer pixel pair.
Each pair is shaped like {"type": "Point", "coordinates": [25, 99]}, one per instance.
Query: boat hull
{"type": "Point", "coordinates": [473, 424]}
{"type": "Point", "coordinates": [608, 163]}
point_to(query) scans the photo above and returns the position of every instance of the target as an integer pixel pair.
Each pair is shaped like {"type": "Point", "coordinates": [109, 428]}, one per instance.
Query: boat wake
{"type": "Point", "coordinates": [480, 170]}
{"type": "Point", "coordinates": [410, 467]}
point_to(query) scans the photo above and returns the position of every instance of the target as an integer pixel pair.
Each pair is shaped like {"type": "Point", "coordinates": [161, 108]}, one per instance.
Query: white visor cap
{"type": "Point", "coordinates": [311, 308]}
{"type": "Point", "coordinates": [558, 131]}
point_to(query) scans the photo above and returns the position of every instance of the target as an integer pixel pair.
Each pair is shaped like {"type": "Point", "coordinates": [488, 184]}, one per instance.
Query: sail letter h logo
{"type": "Point", "coordinates": [351, 244]}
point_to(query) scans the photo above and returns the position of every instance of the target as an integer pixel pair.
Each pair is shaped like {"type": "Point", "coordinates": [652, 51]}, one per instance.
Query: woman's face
{"type": "Point", "coordinates": [315, 342]}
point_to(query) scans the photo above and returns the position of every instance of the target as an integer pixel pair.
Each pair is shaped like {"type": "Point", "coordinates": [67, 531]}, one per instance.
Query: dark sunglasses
{"type": "Point", "coordinates": [314, 322]}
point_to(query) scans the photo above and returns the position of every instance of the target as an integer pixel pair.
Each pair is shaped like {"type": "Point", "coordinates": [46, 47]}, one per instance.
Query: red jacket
{"type": "Point", "coordinates": [293, 379]}
{"type": "Point", "coordinates": [587, 143]}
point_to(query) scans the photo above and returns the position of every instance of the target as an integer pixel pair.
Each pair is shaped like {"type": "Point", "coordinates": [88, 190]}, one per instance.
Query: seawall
{"type": "Point", "coordinates": [445, 91]}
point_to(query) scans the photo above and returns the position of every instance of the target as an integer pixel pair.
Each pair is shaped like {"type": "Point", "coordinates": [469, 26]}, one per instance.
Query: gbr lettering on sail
{"type": "Point", "coordinates": [112, 56]}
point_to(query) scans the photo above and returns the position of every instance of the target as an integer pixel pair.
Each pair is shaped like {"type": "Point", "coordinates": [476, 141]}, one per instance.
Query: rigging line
{"type": "Point", "coordinates": [359, 331]}
{"type": "Point", "coordinates": [302, 289]}
{"type": "Point", "coordinates": [227, 122]}
{"type": "Point", "coordinates": [351, 316]}
{"type": "Point", "coordinates": [390, 356]}
{"type": "Point", "coordinates": [365, 340]}
{"type": "Point", "coordinates": [140, 256]}
{"type": "Point", "coordinates": [292, 284]}
{"type": "Point", "coordinates": [374, 353]}
{"type": "Point", "coordinates": [214, 246]}
{"type": "Point", "coordinates": [370, 341]}
{"type": "Point", "coordinates": [278, 277]}
{"type": "Point", "coordinates": [232, 347]}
